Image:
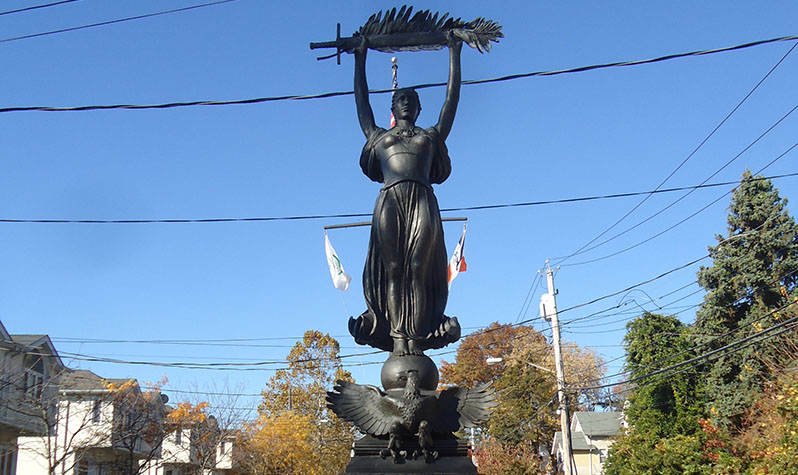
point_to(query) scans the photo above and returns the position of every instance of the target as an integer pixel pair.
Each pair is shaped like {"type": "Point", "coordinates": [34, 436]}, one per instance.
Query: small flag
{"type": "Point", "coordinates": [457, 263]}
{"type": "Point", "coordinates": [340, 278]}
{"type": "Point", "coordinates": [394, 86]}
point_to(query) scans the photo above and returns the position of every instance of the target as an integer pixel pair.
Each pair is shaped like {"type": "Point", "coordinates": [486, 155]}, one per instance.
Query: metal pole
{"type": "Point", "coordinates": [548, 310]}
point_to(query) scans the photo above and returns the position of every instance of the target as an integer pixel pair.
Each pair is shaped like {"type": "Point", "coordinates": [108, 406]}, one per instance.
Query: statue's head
{"type": "Point", "coordinates": [405, 104]}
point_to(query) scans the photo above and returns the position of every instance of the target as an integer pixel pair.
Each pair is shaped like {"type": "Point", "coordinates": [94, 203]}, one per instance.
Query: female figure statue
{"type": "Point", "coordinates": [405, 277]}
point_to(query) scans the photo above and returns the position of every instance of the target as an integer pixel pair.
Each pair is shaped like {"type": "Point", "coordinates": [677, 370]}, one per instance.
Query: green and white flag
{"type": "Point", "coordinates": [340, 278]}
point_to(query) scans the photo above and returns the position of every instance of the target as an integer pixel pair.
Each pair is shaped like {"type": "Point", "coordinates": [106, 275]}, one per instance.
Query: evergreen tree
{"type": "Point", "coordinates": [753, 270]}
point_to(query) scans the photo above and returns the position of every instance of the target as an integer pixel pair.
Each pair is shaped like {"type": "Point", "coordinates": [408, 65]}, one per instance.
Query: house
{"type": "Point", "coordinates": [224, 455]}
{"type": "Point", "coordinates": [100, 426]}
{"type": "Point", "coordinates": [592, 434]}
{"type": "Point", "coordinates": [73, 422]}
{"type": "Point", "coordinates": [29, 365]}
{"type": "Point", "coordinates": [195, 448]}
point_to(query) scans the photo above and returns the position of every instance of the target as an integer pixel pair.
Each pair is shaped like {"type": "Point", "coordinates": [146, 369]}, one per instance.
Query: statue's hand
{"type": "Point", "coordinates": [453, 41]}
{"type": "Point", "coordinates": [363, 47]}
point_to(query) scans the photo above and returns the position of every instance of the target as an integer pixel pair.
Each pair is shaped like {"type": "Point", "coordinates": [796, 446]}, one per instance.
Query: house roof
{"type": "Point", "coordinates": [85, 380]}
{"type": "Point", "coordinates": [578, 443]}
{"type": "Point", "coordinates": [597, 424]}
{"type": "Point", "coordinates": [28, 340]}
{"type": "Point", "coordinates": [4, 336]}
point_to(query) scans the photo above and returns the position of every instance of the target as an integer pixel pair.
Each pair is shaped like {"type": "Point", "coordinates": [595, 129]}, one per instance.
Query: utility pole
{"type": "Point", "coordinates": [548, 310]}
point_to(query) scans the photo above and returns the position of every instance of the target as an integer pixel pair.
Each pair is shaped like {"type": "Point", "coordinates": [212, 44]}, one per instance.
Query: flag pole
{"type": "Point", "coordinates": [394, 86]}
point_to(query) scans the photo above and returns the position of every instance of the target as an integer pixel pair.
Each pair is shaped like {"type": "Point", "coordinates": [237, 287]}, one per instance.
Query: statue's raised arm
{"type": "Point", "coordinates": [449, 107]}
{"type": "Point", "coordinates": [364, 113]}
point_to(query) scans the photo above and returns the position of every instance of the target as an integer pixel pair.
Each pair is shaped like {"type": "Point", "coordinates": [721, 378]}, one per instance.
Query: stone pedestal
{"type": "Point", "coordinates": [453, 457]}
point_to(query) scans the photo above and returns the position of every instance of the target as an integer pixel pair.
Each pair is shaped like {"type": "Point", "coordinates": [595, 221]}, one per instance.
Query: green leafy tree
{"type": "Point", "coordinates": [314, 364]}
{"type": "Point", "coordinates": [754, 268]}
{"type": "Point", "coordinates": [664, 433]}
{"type": "Point", "coordinates": [661, 407]}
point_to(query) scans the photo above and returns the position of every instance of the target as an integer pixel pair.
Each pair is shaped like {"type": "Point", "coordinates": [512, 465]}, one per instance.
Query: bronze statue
{"type": "Point", "coordinates": [405, 277]}
{"type": "Point", "coordinates": [405, 280]}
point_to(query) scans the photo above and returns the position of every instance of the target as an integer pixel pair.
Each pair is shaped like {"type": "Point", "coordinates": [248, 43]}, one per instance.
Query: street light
{"type": "Point", "coordinates": [496, 360]}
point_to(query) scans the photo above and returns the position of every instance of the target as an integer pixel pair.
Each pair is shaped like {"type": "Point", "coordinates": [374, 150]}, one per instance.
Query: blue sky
{"type": "Point", "coordinates": [607, 131]}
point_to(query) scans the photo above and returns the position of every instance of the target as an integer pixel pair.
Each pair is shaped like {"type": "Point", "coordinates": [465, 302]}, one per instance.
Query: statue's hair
{"type": "Point", "coordinates": [409, 91]}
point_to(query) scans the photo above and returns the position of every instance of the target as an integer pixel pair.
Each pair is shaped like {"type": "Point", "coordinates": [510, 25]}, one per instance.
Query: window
{"type": "Point", "coordinates": [34, 377]}
{"type": "Point", "coordinates": [96, 411]}
{"type": "Point", "coordinates": [7, 459]}
{"type": "Point", "coordinates": [224, 447]}
{"type": "Point", "coordinates": [82, 468]}
{"type": "Point", "coordinates": [179, 436]}
{"type": "Point", "coordinates": [168, 472]}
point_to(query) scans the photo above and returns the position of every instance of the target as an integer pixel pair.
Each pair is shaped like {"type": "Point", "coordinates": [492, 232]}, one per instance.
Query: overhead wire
{"type": "Point", "coordinates": [510, 77]}
{"type": "Point", "coordinates": [249, 366]}
{"type": "Point", "coordinates": [111, 22]}
{"type": "Point", "coordinates": [255, 365]}
{"type": "Point", "coordinates": [730, 238]}
{"type": "Point", "coordinates": [704, 208]}
{"type": "Point", "coordinates": [673, 172]}
{"type": "Point", "coordinates": [714, 338]}
{"type": "Point", "coordinates": [725, 350]}
{"type": "Point", "coordinates": [36, 7]}
{"type": "Point", "coordinates": [600, 315]}
{"type": "Point", "coordinates": [361, 215]}
{"type": "Point", "coordinates": [527, 299]}
{"type": "Point", "coordinates": [634, 313]}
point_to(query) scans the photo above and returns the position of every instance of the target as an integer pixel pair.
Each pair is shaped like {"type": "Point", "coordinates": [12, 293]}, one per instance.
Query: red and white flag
{"type": "Point", "coordinates": [457, 263]}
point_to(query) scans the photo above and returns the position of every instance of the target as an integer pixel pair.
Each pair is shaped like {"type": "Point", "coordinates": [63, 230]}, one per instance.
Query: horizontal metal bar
{"type": "Point", "coordinates": [368, 223]}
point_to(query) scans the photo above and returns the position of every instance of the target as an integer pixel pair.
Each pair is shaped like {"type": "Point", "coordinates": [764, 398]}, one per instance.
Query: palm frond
{"type": "Point", "coordinates": [477, 34]}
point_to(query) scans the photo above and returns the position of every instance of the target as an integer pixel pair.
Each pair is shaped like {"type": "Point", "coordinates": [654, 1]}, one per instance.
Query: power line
{"type": "Point", "coordinates": [36, 7]}
{"type": "Point", "coordinates": [726, 350]}
{"type": "Point", "coordinates": [597, 299]}
{"type": "Point", "coordinates": [715, 338]}
{"type": "Point", "coordinates": [361, 215]}
{"type": "Point", "coordinates": [111, 22]}
{"type": "Point", "coordinates": [325, 95]}
{"type": "Point", "coordinates": [584, 250]}
{"type": "Point", "coordinates": [670, 175]}
{"type": "Point", "coordinates": [589, 261]}
{"type": "Point", "coordinates": [601, 314]}
{"type": "Point", "coordinates": [635, 313]}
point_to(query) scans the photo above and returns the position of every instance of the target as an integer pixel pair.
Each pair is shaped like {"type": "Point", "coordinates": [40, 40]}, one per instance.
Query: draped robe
{"type": "Point", "coordinates": [405, 276]}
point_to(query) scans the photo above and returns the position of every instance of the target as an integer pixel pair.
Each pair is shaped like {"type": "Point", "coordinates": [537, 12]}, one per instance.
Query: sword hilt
{"type": "Point", "coordinates": [338, 44]}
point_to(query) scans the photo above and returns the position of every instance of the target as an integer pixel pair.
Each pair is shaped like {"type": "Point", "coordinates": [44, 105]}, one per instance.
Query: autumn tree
{"type": "Point", "coordinates": [471, 367]}
{"type": "Point", "coordinates": [281, 443]}
{"type": "Point", "coordinates": [202, 429]}
{"type": "Point", "coordinates": [526, 413]}
{"type": "Point", "coordinates": [314, 365]}
{"type": "Point", "coordinates": [754, 269]}
{"type": "Point", "coordinates": [225, 417]}
{"type": "Point", "coordinates": [139, 426]}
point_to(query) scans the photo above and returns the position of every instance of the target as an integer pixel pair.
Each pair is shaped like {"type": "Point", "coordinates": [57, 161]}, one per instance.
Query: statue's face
{"type": "Point", "coordinates": [405, 106]}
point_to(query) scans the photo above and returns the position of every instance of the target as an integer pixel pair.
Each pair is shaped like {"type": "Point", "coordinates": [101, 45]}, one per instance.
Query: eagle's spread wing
{"type": "Point", "coordinates": [461, 407]}
{"type": "Point", "coordinates": [365, 406]}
